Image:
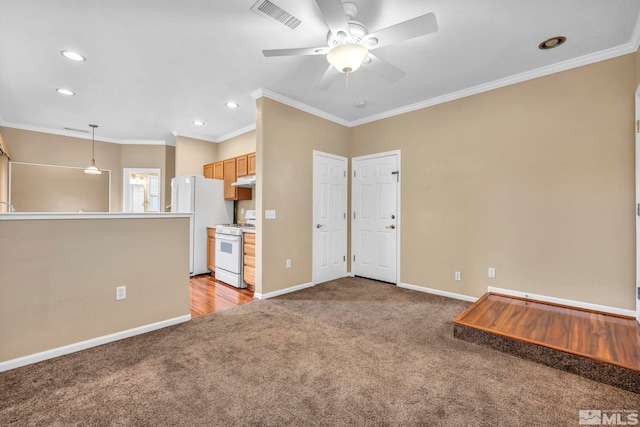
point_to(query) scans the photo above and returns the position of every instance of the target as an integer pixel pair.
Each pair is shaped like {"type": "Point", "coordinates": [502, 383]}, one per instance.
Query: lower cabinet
{"type": "Point", "coordinates": [211, 249]}
{"type": "Point", "coordinates": [249, 268]}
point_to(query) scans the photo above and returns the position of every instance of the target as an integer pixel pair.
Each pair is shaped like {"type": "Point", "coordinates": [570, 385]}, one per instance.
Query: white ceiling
{"type": "Point", "coordinates": [154, 66]}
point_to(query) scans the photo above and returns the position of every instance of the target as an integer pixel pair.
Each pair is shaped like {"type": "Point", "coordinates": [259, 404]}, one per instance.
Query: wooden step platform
{"type": "Point", "coordinates": [599, 346]}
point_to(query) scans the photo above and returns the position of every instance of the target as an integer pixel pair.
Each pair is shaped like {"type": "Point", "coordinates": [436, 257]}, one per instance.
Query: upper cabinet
{"type": "Point", "coordinates": [251, 164]}
{"type": "Point", "coordinates": [208, 170]}
{"type": "Point", "coordinates": [214, 170]}
{"type": "Point", "coordinates": [242, 166]}
{"type": "Point", "coordinates": [230, 170]}
{"type": "Point", "coordinates": [218, 170]}
{"type": "Point", "coordinates": [230, 176]}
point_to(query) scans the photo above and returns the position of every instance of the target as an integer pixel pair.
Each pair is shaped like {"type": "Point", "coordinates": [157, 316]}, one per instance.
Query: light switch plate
{"type": "Point", "coordinates": [270, 214]}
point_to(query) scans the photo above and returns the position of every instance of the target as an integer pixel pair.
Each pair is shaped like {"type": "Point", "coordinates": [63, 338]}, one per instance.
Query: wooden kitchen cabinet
{"type": "Point", "coordinates": [208, 170]}
{"type": "Point", "coordinates": [218, 170]}
{"type": "Point", "coordinates": [211, 249]}
{"type": "Point", "coordinates": [249, 267]}
{"type": "Point", "coordinates": [241, 166]}
{"type": "Point", "coordinates": [251, 164]}
{"type": "Point", "coordinates": [230, 176]}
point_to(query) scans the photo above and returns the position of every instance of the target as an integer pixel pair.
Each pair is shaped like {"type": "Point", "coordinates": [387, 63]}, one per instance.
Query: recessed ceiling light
{"type": "Point", "coordinates": [360, 104]}
{"type": "Point", "coordinates": [66, 92]}
{"type": "Point", "coordinates": [198, 122]}
{"type": "Point", "coordinates": [74, 56]}
{"type": "Point", "coordinates": [232, 105]}
{"type": "Point", "coordinates": [552, 42]}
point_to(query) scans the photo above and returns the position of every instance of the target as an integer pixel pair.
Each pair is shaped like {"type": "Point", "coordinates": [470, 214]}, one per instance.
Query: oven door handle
{"type": "Point", "coordinates": [227, 237]}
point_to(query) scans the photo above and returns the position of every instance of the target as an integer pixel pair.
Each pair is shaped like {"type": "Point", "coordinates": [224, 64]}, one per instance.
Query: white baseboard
{"type": "Point", "coordinates": [438, 292]}
{"type": "Point", "coordinates": [93, 342]}
{"type": "Point", "coordinates": [283, 291]}
{"type": "Point", "coordinates": [562, 301]}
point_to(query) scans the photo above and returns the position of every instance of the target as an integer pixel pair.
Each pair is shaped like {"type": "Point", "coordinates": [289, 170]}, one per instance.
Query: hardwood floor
{"type": "Point", "coordinates": [602, 337]}
{"type": "Point", "coordinates": [209, 295]}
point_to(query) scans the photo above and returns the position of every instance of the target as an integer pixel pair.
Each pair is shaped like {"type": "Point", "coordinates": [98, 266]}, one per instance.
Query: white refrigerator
{"type": "Point", "coordinates": [204, 198]}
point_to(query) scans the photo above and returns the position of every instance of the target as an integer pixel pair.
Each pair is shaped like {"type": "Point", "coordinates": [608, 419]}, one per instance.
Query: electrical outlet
{"type": "Point", "coordinates": [121, 293]}
{"type": "Point", "coordinates": [269, 214]}
{"type": "Point", "coordinates": [288, 263]}
{"type": "Point", "coordinates": [457, 276]}
{"type": "Point", "coordinates": [492, 272]}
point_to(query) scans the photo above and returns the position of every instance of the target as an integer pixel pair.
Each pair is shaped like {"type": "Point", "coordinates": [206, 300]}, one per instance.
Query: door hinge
{"type": "Point", "coordinates": [354, 258]}
{"type": "Point", "coordinates": [345, 173]}
{"type": "Point", "coordinates": [354, 215]}
{"type": "Point", "coordinates": [397, 174]}
{"type": "Point", "coordinates": [638, 209]}
{"type": "Point", "coordinates": [344, 258]}
{"type": "Point", "coordinates": [354, 174]}
{"type": "Point", "coordinates": [344, 216]}
{"type": "Point", "coordinates": [637, 126]}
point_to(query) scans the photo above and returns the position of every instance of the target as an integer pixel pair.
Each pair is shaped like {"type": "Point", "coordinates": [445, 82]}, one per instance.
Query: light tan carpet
{"type": "Point", "coordinates": [348, 352]}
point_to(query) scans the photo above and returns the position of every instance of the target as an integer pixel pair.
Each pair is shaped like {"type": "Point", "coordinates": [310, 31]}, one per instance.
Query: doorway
{"type": "Point", "coordinates": [637, 290]}
{"type": "Point", "coordinates": [329, 217]}
{"type": "Point", "coordinates": [375, 216]}
{"type": "Point", "coordinates": [141, 190]}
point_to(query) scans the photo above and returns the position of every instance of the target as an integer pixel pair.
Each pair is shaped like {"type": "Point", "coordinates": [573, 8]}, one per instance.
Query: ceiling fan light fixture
{"type": "Point", "coordinates": [348, 57]}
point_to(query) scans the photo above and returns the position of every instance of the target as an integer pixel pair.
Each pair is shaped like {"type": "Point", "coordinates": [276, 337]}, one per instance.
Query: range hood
{"type": "Point", "coordinates": [245, 181]}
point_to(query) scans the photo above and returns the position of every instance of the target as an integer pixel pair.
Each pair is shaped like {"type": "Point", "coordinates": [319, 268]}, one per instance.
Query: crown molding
{"type": "Point", "coordinates": [299, 105]}
{"type": "Point", "coordinates": [496, 84]}
{"type": "Point", "coordinates": [72, 134]}
{"type": "Point", "coordinates": [238, 132]}
{"type": "Point", "coordinates": [195, 136]}
{"type": "Point", "coordinates": [625, 49]}
{"type": "Point", "coordinates": [635, 36]}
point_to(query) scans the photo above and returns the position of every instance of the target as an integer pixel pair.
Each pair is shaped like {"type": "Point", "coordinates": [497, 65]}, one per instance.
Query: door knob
{"type": "Point", "coordinates": [393, 217]}
{"type": "Point", "coordinates": [319, 225]}
{"type": "Point", "coordinates": [391, 226]}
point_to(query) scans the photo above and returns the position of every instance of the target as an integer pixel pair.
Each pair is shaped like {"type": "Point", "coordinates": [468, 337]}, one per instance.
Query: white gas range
{"type": "Point", "coordinates": [229, 251]}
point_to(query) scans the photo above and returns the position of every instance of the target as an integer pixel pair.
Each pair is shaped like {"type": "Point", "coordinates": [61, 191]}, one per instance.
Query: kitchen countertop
{"type": "Point", "coordinates": [244, 230]}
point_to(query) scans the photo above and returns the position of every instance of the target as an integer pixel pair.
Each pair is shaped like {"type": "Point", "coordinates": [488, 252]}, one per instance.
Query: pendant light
{"type": "Point", "coordinates": [92, 168]}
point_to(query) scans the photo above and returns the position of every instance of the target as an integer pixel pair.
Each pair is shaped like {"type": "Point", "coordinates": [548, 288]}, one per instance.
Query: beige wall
{"type": "Point", "coordinates": [535, 179]}
{"type": "Point", "coordinates": [193, 154]}
{"type": "Point", "coordinates": [43, 148]}
{"type": "Point", "coordinates": [286, 139]}
{"type": "Point", "coordinates": [237, 146]}
{"type": "Point", "coordinates": [59, 279]}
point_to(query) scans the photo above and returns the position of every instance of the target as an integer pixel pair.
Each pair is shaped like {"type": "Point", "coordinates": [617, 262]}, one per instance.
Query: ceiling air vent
{"type": "Point", "coordinates": [266, 8]}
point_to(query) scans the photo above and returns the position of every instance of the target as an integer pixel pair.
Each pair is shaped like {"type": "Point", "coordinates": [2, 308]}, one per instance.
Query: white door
{"type": "Point", "coordinates": [375, 216]}
{"type": "Point", "coordinates": [137, 198]}
{"type": "Point", "coordinates": [329, 217]}
{"type": "Point", "coordinates": [637, 292]}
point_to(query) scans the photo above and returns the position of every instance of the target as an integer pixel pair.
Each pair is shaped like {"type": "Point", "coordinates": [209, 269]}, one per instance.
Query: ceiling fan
{"type": "Point", "coordinates": [350, 43]}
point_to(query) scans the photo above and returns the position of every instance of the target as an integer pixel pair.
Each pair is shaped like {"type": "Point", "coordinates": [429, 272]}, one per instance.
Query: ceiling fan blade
{"type": "Point", "coordinates": [328, 78]}
{"type": "Point", "coordinates": [296, 51]}
{"type": "Point", "coordinates": [384, 69]}
{"type": "Point", "coordinates": [334, 15]}
{"type": "Point", "coordinates": [416, 27]}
